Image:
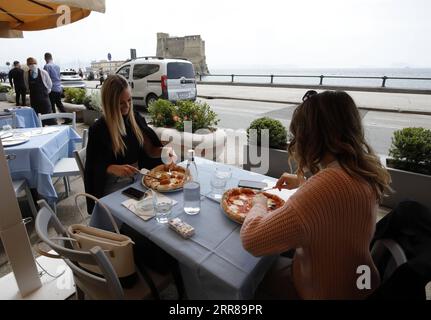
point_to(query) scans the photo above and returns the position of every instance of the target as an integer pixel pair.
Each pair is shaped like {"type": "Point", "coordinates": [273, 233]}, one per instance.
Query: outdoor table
{"type": "Point", "coordinates": [34, 160]}
{"type": "Point", "coordinates": [25, 117]}
{"type": "Point", "coordinates": [213, 263]}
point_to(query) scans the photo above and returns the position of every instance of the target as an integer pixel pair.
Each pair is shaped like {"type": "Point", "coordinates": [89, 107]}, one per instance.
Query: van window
{"type": "Point", "coordinates": [68, 73]}
{"type": "Point", "coordinates": [178, 70]}
{"type": "Point", "coordinates": [143, 70]}
{"type": "Point", "coordinates": [124, 71]}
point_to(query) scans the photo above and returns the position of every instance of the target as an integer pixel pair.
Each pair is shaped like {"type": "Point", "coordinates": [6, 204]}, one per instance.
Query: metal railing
{"type": "Point", "coordinates": [271, 77]}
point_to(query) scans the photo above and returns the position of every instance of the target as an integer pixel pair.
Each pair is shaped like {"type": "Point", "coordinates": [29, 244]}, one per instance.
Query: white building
{"type": "Point", "coordinates": [108, 67]}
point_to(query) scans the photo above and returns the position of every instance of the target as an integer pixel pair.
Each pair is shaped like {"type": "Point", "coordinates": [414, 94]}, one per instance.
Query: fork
{"type": "Point", "coordinates": [265, 189]}
{"type": "Point", "coordinates": [146, 172]}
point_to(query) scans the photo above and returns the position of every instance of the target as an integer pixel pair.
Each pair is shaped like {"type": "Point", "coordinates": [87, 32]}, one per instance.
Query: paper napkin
{"type": "Point", "coordinates": [131, 204]}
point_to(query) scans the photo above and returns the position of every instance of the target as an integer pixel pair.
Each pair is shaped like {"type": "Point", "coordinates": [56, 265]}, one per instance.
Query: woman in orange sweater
{"type": "Point", "coordinates": [330, 220]}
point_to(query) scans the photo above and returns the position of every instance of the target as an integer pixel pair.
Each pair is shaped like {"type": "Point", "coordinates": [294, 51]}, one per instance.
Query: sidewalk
{"type": "Point", "coordinates": [373, 101]}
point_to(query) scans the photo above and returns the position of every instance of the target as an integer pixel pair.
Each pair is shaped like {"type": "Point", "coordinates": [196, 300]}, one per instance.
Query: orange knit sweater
{"type": "Point", "coordinates": [330, 222]}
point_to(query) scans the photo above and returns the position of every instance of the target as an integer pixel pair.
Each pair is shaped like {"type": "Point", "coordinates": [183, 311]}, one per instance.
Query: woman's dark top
{"type": "Point", "coordinates": [100, 154]}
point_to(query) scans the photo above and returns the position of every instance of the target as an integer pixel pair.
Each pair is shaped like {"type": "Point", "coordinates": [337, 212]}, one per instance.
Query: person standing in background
{"type": "Point", "coordinates": [38, 82]}
{"type": "Point", "coordinates": [101, 77]}
{"type": "Point", "coordinates": [16, 80]}
{"type": "Point", "coordinates": [56, 91]}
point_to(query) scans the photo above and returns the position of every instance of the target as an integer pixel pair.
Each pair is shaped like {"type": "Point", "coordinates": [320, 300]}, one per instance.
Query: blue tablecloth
{"type": "Point", "coordinates": [213, 263]}
{"type": "Point", "coordinates": [25, 117]}
{"type": "Point", "coordinates": [35, 159]}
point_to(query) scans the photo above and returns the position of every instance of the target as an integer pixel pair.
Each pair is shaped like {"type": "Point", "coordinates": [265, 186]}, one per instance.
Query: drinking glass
{"type": "Point", "coordinates": [162, 207]}
{"type": "Point", "coordinates": [7, 128]}
{"type": "Point", "coordinates": [219, 180]}
{"type": "Point", "coordinates": [224, 172]}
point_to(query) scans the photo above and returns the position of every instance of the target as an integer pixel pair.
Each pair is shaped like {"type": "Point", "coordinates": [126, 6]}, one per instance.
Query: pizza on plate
{"type": "Point", "coordinates": [237, 202]}
{"type": "Point", "coordinates": [162, 179]}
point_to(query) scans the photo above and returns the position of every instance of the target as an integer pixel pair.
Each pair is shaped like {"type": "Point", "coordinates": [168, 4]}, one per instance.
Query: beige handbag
{"type": "Point", "coordinates": [118, 247]}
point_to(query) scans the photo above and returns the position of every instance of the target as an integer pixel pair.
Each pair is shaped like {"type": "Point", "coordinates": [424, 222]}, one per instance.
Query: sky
{"type": "Point", "coordinates": [241, 33]}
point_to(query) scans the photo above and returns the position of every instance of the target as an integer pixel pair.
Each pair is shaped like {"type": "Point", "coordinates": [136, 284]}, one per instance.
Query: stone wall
{"type": "Point", "coordinates": [191, 48]}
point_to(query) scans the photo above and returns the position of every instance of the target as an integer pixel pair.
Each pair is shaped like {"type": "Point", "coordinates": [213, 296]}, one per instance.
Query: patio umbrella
{"type": "Point", "coordinates": [31, 15]}
{"type": "Point", "coordinates": [6, 32]}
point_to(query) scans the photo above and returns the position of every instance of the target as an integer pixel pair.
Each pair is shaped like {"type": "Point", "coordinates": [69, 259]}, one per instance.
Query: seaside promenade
{"type": "Point", "coordinates": [376, 101]}
{"type": "Point", "coordinates": [383, 113]}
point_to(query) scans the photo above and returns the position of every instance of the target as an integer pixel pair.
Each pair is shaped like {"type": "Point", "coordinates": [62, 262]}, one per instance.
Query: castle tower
{"type": "Point", "coordinates": [191, 48]}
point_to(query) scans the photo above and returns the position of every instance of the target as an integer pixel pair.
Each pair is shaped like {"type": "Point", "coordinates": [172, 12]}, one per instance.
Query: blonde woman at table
{"type": "Point", "coordinates": [119, 143]}
{"type": "Point", "coordinates": [330, 220]}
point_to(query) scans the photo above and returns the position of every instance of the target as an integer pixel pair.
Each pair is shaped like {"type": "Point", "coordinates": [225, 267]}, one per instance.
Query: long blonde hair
{"type": "Point", "coordinates": [112, 89]}
{"type": "Point", "coordinates": [329, 122]}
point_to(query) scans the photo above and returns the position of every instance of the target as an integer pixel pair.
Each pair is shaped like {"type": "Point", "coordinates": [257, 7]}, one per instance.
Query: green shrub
{"type": "Point", "coordinates": [93, 101]}
{"type": "Point", "coordinates": [4, 89]}
{"type": "Point", "coordinates": [162, 113]}
{"type": "Point", "coordinates": [200, 114]}
{"type": "Point", "coordinates": [411, 150]}
{"type": "Point", "coordinates": [277, 132]}
{"type": "Point", "coordinates": [165, 114]}
{"type": "Point", "coordinates": [75, 95]}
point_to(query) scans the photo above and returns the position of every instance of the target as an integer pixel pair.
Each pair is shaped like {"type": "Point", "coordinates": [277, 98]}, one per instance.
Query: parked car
{"type": "Point", "coordinates": [152, 78]}
{"type": "Point", "coordinates": [71, 79]}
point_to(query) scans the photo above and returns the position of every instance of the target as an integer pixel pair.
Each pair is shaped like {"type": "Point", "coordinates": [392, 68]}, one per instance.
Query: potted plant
{"type": "Point", "coordinates": [188, 124]}
{"type": "Point", "coordinates": [3, 92]}
{"type": "Point", "coordinates": [93, 107]}
{"type": "Point", "coordinates": [10, 95]}
{"type": "Point", "coordinates": [74, 99]}
{"type": "Point", "coordinates": [271, 157]}
{"type": "Point", "coordinates": [409, 164]}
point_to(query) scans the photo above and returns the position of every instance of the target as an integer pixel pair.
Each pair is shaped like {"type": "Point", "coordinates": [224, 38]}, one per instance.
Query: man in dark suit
{"type": "Point", "coordinates": [16, 80]}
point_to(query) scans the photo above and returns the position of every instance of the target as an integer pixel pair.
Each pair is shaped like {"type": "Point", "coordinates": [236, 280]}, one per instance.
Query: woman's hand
{"type": "Point", "coordinates": [168, 155]}
{"type": "Point", "coordinates": [289, 181]}
{"type": "Point", "coordinates": [124, 170]}
{"type": "Point", "coordinates": [260, 199]}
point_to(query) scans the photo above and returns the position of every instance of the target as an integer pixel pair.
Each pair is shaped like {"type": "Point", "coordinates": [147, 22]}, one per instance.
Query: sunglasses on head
{"type": "Point", "coordinates": [308, 95]}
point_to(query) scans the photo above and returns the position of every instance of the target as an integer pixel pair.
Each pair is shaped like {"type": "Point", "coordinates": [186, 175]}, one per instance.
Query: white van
{"type": "Point", "coordinates": [152, 78]}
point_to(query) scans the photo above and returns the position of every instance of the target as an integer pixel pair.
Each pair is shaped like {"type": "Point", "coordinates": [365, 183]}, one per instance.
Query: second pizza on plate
{"type": "Point", "coordinates": [237, 202]}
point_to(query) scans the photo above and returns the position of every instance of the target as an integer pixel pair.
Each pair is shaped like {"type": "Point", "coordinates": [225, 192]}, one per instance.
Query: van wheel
{"type": "Point", "coordinates": [150, 99]}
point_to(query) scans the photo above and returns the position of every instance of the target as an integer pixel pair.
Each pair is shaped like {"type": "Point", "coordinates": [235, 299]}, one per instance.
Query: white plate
{"type": "Point", "coordinates": [6, 135]}
{"type": "Point", "coordinates": [161, 191]}
{"type": "Point", "coordinates": [14, 142]}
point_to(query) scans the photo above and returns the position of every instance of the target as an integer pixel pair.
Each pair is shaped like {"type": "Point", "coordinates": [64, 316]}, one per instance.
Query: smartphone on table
{"type": "Point", "coordinates": [133, 193]}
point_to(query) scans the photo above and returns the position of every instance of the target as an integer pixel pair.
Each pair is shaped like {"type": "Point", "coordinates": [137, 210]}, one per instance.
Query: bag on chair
{"type": "Point", "coordinates": [118, 247]}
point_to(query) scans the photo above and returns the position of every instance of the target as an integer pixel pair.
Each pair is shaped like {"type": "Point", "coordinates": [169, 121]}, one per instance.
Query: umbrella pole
{"type": "Point", "coordinates": [14, 236]}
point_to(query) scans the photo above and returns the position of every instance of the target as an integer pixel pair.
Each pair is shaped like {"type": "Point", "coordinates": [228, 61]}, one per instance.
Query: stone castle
{"type": "Point", "coordinates": [191, 48]}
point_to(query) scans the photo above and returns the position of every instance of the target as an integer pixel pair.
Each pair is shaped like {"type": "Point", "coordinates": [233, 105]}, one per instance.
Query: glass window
{"type": "Point", "coordinates": [124, 71]}
{"type": "Point", "coordinates": [143, 70]}
{"type": "Point", "coordinates": [177, 70]}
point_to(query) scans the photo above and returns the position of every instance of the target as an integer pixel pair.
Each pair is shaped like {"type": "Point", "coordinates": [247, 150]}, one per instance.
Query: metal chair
{"type": "Point", "coordinates": [21, 185]}
{"type": "Point", "coordinates": [105, 286]}
{"type": "Point", "coordinates": [8, 118]}
{"type": "Point", "coordinates": [84, 138]}
{"type": "Point", "coordinates": [68, 167]}
{"type": "Point", "coordinates": [81, 155]}
{"type": "Point", "coordinates": [49, 116]}
{"type": "Point", "coordinates": [387, 253]}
